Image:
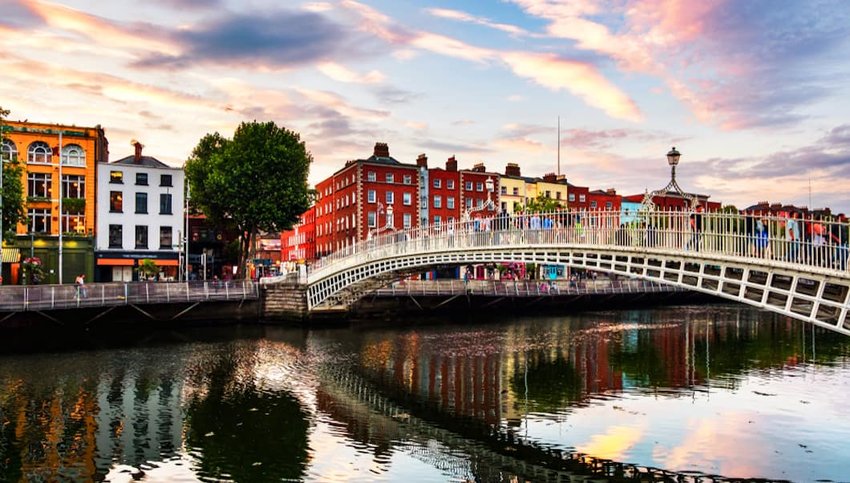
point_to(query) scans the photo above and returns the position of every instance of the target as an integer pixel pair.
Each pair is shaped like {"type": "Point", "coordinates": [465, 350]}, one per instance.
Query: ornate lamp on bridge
{"type": "Point", "coordinates": [490, 204]}
{"type": "Point", "coordinates": [673, 160]}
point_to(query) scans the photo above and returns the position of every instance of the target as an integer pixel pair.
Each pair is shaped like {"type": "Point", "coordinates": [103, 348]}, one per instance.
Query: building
{"type": "Point", "coordinates": [479, 192]}
{"type": "Point", "coordinates": [140, 215]}
{"type": "Point", "coordinates": [674, 201]}
{"type": "Point", "coordinates": [604, 200]}
{"type": "Point", "coordinates": [366, 198]}
{"type": "Point", "coordinates": [299, 243]}
{"type": "Point", "coordinates": [38, 146]}
{"type": "Point", "coordinates": [578, 197]}
{"type": "Point", "coordinates": [553, 187]}
{"type": "Point", "coordinates": [629, 211]}
{"type": "Point", "coordinates": [513, 189]}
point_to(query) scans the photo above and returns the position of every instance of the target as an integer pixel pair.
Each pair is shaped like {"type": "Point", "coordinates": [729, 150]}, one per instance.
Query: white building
{"type": "Point", "coordinates": [140, 215]}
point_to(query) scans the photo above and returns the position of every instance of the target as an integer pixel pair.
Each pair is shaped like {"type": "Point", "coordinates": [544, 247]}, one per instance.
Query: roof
{"type": "Point", "coordinates": [148, 161]}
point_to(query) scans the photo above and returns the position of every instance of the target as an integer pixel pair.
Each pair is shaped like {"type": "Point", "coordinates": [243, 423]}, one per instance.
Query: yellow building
{"type": "Point", "coordinates": [37, 146]}
{"type": "Point", "coordinates": [518, 190]}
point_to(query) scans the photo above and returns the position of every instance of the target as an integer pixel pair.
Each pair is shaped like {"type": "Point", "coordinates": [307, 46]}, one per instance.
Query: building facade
{"type": "Point", "coordinates": [59, 167]}
{"type": "Point", "coordinates": [140, 215]}
{"type": "Point", "coordinates": [299, 243]}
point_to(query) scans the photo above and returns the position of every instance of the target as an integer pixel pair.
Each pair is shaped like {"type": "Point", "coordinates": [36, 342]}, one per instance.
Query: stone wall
{"type": "Point", "coordinates": [284, 301]}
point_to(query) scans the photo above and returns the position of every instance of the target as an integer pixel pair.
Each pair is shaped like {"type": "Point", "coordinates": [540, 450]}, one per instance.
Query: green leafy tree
{"type": "Point", "coordinates": [13, 191]}
{"type": "Point", "coordinates": [542, 204]}
{"type": "Point", "coordinates": [255, 182]}
{"type": "Point", "coordinates": [147, 268]}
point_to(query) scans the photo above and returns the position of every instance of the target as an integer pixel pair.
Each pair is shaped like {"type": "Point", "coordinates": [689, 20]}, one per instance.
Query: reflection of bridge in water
{"type": "Point", "coordinates": [454, 409]}
{"type": "Point", "coordinates": [804, 279]}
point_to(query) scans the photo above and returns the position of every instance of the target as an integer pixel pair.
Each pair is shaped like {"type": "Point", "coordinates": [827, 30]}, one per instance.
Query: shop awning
{"type": "Point", "coordinates": [116, 262]}
{"type": "Point", "coordinates": [11, 255]}
{"type": "Point", "coordinates": [166, 263]}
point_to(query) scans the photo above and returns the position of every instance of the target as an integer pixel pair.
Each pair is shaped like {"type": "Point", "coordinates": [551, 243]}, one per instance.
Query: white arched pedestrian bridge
{"type": "Point", "coordinates": [797, 268]}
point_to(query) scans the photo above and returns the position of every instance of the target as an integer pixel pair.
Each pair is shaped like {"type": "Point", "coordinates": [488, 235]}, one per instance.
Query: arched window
{"type": "Point", "coordinates": [39, 152]}
{"type": "Point", "coordinates": [73, 155]}
{"type": "Point", "coordinates": [9, 150]}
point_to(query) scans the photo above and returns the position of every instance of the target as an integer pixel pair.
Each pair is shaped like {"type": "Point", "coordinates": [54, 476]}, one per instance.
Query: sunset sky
{"type": "Point", "coordinates": [753, 93]}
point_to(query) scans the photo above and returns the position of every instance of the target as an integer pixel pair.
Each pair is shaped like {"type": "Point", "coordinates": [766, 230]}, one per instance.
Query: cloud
{"type": "Point", "coordinates": [465, 17]}
{"type": "Point", "coordinates": [265, 39]}
{"type": "Point", "coordinates": [394, 95]}
{"type": "Point", "coordinates": [341, 73]}
{"type": "Point", "coordinates": [607, 138]}
{"type": "Point", "coordinates": [192, 4]}
{"type": "Point", "coordinates": [19, 16]}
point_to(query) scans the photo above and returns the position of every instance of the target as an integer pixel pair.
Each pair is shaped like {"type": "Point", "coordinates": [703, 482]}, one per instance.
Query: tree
{"type": "Point", "coordinates": [255, 182]}
{"type": "Point", "coordinates": [147, 269]}
{"type": "Point", "coordinates": [542, 204]}
{"type": "Point", "coordinates": [13, 191]}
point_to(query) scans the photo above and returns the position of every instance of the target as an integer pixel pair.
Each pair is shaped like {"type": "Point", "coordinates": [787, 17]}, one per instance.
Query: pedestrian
{"type": "Point", "coordinates": [792, 234]}
{"type": "Point", "coordinates": [80, 283]}
{"type": "Point", "coordinates": [696, 228]}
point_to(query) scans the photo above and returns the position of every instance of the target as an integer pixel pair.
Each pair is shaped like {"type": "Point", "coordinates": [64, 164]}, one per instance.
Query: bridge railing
{"type": "Point", "coordinates": [820, 242]}
{"type": "Point", "coordinates": [49, 297]}
{"type": "Point", "coordinates": [521, 288]}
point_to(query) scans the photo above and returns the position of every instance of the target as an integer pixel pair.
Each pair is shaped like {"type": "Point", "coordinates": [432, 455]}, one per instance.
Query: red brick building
{"type": "Point", "coordinates": [474, 192]}
{"type": "Point", "coordinates": [299, 243]}
{"type": "Point", "coordinates": [366, 197]}
{"type": "Point", "coordinates": [607, 200]}
{"type": "Point", "coordinates": [578, 198]}
{"type": "Point", "coordinates": [672, 201]}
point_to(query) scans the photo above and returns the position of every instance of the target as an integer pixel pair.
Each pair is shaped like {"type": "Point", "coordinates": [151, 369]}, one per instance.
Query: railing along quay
{"type": "Point", "coordinates": [521, 288]}
{"type": "Point", "coordinates": [53, 297]}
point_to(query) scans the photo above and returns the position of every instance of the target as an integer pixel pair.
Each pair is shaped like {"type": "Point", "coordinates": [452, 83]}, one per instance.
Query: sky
{"type": "Point", "coordinates": [753, 93]}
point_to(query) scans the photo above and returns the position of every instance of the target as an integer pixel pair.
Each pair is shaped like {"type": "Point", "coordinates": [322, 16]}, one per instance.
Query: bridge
{"type": "Point", "coordinates": [748, 259]}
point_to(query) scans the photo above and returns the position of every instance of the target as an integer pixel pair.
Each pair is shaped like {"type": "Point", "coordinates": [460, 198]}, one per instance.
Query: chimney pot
{"type": "Point", "coordinates": [479, 168]}
{"type": "Point", "coordinates": [382, 150]}
{"type": "Point", "coordinates": [451, 164]}
{"type": "Point", "coordinates": [512, 169]}
{"type": "Point", "coordinates": [137, 157]}
{"type": "Point", "coordinates": [422, 161]}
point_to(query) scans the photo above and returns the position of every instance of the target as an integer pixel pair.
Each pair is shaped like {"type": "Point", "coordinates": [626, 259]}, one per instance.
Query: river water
{"type": "Point", "coordinates": [691, 392]}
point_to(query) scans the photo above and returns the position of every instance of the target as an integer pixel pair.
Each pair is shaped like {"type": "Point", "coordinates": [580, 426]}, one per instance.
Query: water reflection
{"type": "Point", "coordinates": [706, 391]}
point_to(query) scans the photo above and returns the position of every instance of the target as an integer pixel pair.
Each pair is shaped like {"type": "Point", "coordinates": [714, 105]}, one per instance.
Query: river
{"type": "Point", "coordinates": [690, 392]}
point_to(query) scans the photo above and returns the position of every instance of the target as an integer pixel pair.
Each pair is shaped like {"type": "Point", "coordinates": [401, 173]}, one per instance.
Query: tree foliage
{"type": "Point", "coordinates": [13, 190]}
{"type": "Point", "coordinates": [542, 204]}
{"type": "Point", "coordinates": [255, 182]}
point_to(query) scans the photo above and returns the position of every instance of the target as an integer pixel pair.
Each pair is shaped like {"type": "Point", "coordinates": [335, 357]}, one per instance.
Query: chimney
{"type": "Point", "coordinates": [611, 191]}
{"type": "Point", "coordinates": [451, 164]}
{"type": "Point", "coordinates": [382, 150]}
{"type": "Point", "coordinates": [479, 168]}
{"type": "Point", "coordinates": [512, 169]}
{"type": "Point", "coordinates": [422, 161]}
{"type": "Point", "coordinates": [550, 177]}
{"type": "Point", "coordinates": [137, 157]}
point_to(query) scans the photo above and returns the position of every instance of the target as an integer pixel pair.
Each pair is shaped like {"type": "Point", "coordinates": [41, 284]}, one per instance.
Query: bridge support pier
{"type": "Point", "coordinates": [284, 301]}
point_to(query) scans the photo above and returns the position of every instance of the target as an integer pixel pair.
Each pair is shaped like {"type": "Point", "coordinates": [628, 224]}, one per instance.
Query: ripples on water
{"type": "Point", "coordinates": [696, 391]}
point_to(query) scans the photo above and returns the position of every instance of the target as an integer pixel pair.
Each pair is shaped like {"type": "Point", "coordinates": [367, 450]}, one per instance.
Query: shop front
{"type": "Point", "coordinates": [121, 266]}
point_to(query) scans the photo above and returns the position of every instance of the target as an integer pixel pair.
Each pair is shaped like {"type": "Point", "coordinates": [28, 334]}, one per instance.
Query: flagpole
{"type": "Point", "coordinates": [559, 145]}
{"type": "Point", "coordinates": [60, 206]}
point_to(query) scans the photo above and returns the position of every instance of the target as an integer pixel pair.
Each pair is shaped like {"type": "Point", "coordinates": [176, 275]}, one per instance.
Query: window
{"type": "Point", "coordinates": [165, 180]}
{"type": "Point", "coordinates": [390, 197]}
{"type": "Point", "coordinates": [548, 194]}
{"type": "Point", "coordinates": [571, 197]}
{"type": "Point", "coordinates": [407, 199]}
{"type": "Point", "coordinates": [582, 198]}
{"type": "Point", "coordinates": [450, 184]}
{"type": "Point", "coordinates": [593, 204]}
{"type": "Point", "coordinates": [73, 186]}
{"type": "Point", "coordinates": [142, 179]}
{"type": "Point", "coordinates": [9, 150]}
{"type": "Point", "coordinates": [406, 220]}
{"type": "Point", "coordinates": [370, 176]}
{"type": "Point", "coordinates": [142, 203]}
{"type": "Point", "coordinates": [469, 186]}
{"type": "Point", "coordinates": [39, 185]}
{"type": "Point", "coordinates": [74, 222]}
{"type": "Point", "coordinates": [558, 195]}
{"type": "Point", "coordinates": [116, 177]}
{"type": "Point", "coordinates": [437, 220]}
{"type": "Point", "coordinates": [609, 205]}
{"type": "Point", "coordinates": [39, 152]}
{"type": "Point", "coordinates": [479, 186]}
{"type": "Point", "coordinates": [468, 202]}
{"type": "Point", "coordinates": [408, 179]}
{"type": "Point", "coordinates": [165, 204]}
{"type": "Point", "coordinates": [39, 220]}
{"type": "Point", "coordinates": [504, 206]}
{"type": "Point", "coordinates": [73, 155]}
{"type": "Point", "coordinates": [116, 236]}
{"type": "Point", "coordinates": [370, 196]}
{"type": "Point", "coordinates": [370, 219]}
{"type": "Point", "coordinates": [479, 203]}
{"type": "Point", "coordinates": [438, 202]}
{"type": "Point", "coordinates": [438, 183]}
{"type": "Point", "coordinates": [141, 236]}
{"type": "Point", "coordinates": [116, 202]}
{"type": "Point", "coordinates": [450, 202]}
{"type": "Point", "coordinates": [516, 191]}
{"type": "Point", "coordinates": [390, 177]}
{"type": "Point", "coordinates": [165, 239]}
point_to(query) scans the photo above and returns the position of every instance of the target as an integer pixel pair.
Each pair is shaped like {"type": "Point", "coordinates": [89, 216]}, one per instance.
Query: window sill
{"type": "Point", "coordinates": [141, 212]}
{"type": "Point", "coordinates": [116, 211]}
{"type": "Point", "coordinates": [165, 213]}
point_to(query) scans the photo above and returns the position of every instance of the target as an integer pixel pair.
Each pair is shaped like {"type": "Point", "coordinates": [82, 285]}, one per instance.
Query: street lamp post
{"type": "Point", "coordinates": [673, 160]}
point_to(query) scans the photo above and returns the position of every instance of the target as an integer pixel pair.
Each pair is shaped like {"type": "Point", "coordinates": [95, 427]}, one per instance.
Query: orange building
{"type": "Point", "coordinates": [37, 147]}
